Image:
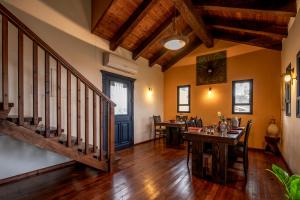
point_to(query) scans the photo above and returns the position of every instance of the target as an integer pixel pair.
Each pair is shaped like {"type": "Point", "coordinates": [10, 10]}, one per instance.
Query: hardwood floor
{"type": "Point", "coordinates": [148, 171]}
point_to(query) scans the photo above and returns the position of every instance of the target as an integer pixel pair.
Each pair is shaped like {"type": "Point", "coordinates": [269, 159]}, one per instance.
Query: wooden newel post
{"type": "Point", "coordinates": [111, 135]}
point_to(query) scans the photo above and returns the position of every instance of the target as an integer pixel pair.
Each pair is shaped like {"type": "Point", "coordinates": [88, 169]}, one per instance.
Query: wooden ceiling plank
{"type": "Point", "coordinates": [187, 32]}
{"type": "Point", "coordinates": [243, 13]}
{"type": "Point", "coordinates": [247, 24]}
{"type": "Point", "coordinates": [132, 21]}
{"type": "Point", "coordinates": [152, 38]}
{"type": "Point", "coordinates": [185, 51]}
{"type": "Point", "coordinates": [99, 9]}
{"type": "Point", "coordinates": [273, 36]}
{"type": "Point", "coordinates": [195, 21]}
{"type": "Point", "coordinates": [283, 5]}
{"type": "Point", "coordinates": [249, 40]}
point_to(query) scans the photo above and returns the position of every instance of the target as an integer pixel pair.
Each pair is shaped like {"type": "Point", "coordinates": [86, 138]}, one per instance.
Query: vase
{"type": "Point", "coordinates": [273, 130]}
{"type": "Point", "coordinates": [234, 122]}
{"type": "Point", "coordinates": [223, 126]}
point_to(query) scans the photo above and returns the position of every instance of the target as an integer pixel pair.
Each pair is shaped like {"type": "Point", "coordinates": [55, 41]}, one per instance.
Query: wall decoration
{"type": "Point", "coordinates": [211, 68]}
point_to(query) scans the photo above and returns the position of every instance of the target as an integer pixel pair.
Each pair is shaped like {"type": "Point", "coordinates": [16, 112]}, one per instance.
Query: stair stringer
{"type": "Point", "coordinates": [51, 144]}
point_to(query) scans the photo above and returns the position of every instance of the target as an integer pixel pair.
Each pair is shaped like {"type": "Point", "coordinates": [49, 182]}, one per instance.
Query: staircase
{"type": "Point", "coordinates": [49, 126]}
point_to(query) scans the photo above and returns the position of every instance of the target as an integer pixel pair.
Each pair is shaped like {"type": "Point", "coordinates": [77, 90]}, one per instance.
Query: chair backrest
{"type": "Point", "coordinates": [199, 123]}
{"type": "Point", "coordinates": [156, 119]}
{"type": "Point", "coordinates": [248, 129]}
{"type": "Point", "coordinates": [240, 121]}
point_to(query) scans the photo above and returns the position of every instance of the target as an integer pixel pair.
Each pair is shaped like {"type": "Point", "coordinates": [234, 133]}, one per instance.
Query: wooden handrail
{"type": "Point", "coordinates": [29, 33]}
{"type": "Point", "coordinates": [96, 135]}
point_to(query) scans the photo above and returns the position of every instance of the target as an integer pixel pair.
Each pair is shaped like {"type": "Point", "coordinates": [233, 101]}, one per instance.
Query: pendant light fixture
{"type": "Point", "coordinates": [175, 41]}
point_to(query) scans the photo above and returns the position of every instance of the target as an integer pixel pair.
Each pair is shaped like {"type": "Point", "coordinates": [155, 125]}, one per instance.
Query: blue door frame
{"type": "Point", "coordinates": [124, 134]}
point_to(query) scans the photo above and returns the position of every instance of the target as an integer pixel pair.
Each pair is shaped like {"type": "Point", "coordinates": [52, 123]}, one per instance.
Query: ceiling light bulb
{"type": "Point", "coordinates": [287, 78]}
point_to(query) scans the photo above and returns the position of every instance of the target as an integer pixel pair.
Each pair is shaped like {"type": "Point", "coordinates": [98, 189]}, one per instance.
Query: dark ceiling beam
{"type": "Point", "coordinates": [194, 20]}
{"type": "Point", "coordinates": [182, 53]}
{"type": "Point", "coordinates": [187, 32]}
{"type": "Point", "coordinates": [131, 23]}
{"type": "Point", "coordinates": [249, 40]}
{"type": "Point", "coordinates": [239, 31]}
{"type": "Point", "coordinates": [283, 5]}
{"type": "Point", "coordinates": [153, 38]}
{"type": "Point", "coordinates": [275, 17]}
{"type": "Point", "coordinates": [247, 24]}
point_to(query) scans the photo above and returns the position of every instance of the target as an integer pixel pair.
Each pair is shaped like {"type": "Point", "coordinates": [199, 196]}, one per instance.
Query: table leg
{"type": "Point", "coordinates": [220, 153]}
{"type": "Point", "coordinates": [197, 159]}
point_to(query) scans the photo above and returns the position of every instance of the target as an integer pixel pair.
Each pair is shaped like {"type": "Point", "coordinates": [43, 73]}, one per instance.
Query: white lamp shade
{"type": "Point", "coordinates": [174, 44]}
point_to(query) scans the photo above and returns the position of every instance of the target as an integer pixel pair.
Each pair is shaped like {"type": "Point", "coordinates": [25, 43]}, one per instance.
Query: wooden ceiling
{"type": "Point", "coordinates": [141, 25]}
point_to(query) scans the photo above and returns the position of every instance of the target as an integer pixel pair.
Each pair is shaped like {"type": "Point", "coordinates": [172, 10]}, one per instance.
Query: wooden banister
{"type": "Point", "coordinates": [106, 106]}
{"type": "Point", "coordinates": [29, 33]}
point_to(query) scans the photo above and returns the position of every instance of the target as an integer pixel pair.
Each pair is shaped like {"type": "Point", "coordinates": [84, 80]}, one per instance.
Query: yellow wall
{"type": "Point", "coordinates": [243, 62]}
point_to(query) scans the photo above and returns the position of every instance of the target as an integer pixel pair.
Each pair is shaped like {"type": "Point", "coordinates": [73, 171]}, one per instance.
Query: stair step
{"type": "Point", "coordinates": [29, 136]}
{"type": "Point", "coordinates": [10, 105]}
{"type": "Point", "coordinates": [81, 147]}
{"type": "Point", "coordinates": [42, 131]}
{"type": "Point", "coordinates": [4, 113]}
{"type": "Point", "coordinates": [27, 119]}
{"type": "Point", "coordinates": [63, 139]}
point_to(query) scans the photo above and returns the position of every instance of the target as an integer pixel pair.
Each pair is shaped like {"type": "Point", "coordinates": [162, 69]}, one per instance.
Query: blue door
{"type": "Point", "coordinates": [120, 90]}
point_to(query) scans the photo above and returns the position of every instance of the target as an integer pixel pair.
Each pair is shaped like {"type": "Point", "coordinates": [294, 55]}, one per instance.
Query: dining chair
{"type": "Point", "coordinates": [199, 123]}
{"type": "Point", "coordinates": [241, 149]}
{"type": "Point", "coordinates": [158, 130]}
{"type": "Point", "coordinates": [189, 142]}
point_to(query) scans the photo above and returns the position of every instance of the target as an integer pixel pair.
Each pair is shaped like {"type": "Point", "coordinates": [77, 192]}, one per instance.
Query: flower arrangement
{"type": "Point", "coordinates": [220, 116]}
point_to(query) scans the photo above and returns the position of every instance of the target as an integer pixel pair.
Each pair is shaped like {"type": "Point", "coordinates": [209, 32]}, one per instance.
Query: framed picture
{"type": "Point", "coordinates": [211, 68]}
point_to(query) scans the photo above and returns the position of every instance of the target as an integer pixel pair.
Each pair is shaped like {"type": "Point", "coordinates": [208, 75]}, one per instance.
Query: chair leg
{"type": "Point", "coordinates": [188, 153]}
{"type": "Point", "coordinates": [245, 165]}
{"type": "Point", "coordinates": [154, 137]}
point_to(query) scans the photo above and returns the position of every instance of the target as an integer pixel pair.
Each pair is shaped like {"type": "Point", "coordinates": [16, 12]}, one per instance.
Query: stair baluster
{"type": "Point", "coordinates": [5, 62]}
{"type": "Point", "coordinates": [99, 157]}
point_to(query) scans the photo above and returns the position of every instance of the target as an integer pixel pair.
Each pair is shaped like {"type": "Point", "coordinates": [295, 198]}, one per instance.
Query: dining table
{"type": "Point", "coordinates": [174, 137]}
{"type": "Point", "coordinates": [210, 152]}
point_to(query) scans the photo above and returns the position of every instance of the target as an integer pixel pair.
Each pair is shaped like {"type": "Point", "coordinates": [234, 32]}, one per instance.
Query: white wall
{"type": "Point", "coordinates": [65, 26]}
{"type": "Point", "coordinates": [291, 125]}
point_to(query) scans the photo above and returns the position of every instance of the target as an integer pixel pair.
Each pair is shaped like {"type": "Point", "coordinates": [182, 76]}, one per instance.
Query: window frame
{"type": "Point", "coordinates": [189, 100]}
{"type": "Point", "coordinates": [298, 86]}
{"type": "Point", "coordinates": [287, 96]}
{"type": "Point", "coordinates": [251, 97]}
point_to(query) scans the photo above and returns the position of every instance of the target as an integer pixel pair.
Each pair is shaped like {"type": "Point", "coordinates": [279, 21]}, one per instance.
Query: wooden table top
{"type": "Point", "coordinates": [231, 138]}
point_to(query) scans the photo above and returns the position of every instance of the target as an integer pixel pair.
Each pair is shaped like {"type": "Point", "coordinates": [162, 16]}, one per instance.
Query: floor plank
{"type": "Point", "coordinates": [149, 171]}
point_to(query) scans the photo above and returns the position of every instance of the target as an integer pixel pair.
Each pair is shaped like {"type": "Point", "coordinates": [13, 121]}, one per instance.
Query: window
{"type": "Point", "coordinates": [242, 97]}
{"type": "Point", "coordinates": [183, 99]}
{"type": "Point", "coordinates": [119, 95]}
{"type": "Point", "coordinates": [287, 100]}
{"type": "Point", "coordinates": [298, 86]}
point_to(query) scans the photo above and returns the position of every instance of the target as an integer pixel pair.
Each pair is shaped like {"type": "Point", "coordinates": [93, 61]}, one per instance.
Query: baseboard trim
{"type": "Point", "coordinates": [36, 172]}
{"type": "Point", "coordinates": [146, 141]}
